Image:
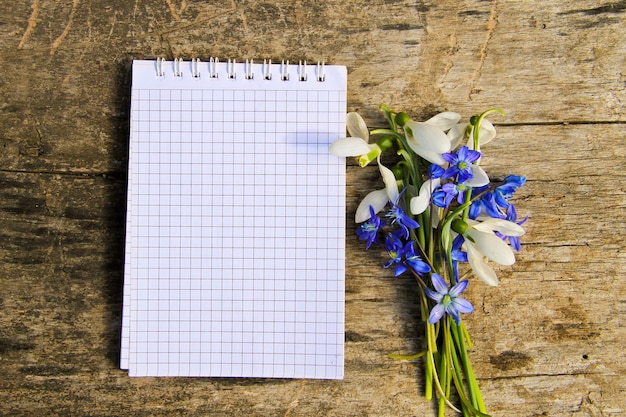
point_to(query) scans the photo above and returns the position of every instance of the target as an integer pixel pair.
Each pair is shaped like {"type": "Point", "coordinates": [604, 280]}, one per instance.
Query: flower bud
{"type": "Point", "coordinates": [385, 143]}
{"type": "Point", "coordinates": [402, 118]}
{"type": "Point", "coordinates": [398, 171]}
{"type": "Point", "coordinates": [459, 226]}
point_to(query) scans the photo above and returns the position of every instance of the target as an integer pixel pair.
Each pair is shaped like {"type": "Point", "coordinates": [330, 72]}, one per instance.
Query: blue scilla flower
{"type": "Point", "coordinates": [457, 255]}
{"type": "Point", "coordinates": [401, 218]}
{"type": "Point", "coordinates": [413, 260]}
{"type": "Point", "coordinates": [448, 300]}
{"type": "Point", "coordinates": [369, 230]}
{"type": "Point", "coordinates": [486, 202]}
{"type": "Point", "coordinates": [511, 215]}
{"type": "Point", "coordinates": [495, 202]}
{"type": "Point", "coordinates": [504, 192]}
{"type": "Point", "coordinates": [446, 193]}
{"type": "Point", "coordinates": [403, 256]}
{"type": "Point", "coordinates": [395, 248]}
{"type": "Point", "coordinates": [435, 171]}
{"type": "Point", "coordinates": [461, 164]}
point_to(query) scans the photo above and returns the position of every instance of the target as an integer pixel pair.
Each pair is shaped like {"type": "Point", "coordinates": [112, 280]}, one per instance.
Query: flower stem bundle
{"type": "Point", "coordinates": [438, 211]}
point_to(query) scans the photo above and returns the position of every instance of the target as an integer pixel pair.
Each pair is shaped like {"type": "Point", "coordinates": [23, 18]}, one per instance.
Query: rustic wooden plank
{"type": "Point", "coordinates": [65, 94]}
{"type": "Point", "coordinates": [548, 340]}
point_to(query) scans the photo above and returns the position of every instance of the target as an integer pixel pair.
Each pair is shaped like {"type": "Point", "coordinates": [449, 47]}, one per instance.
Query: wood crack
{"type": "Point", "coordinates": [539, 375]}
{"type": "Point", "coordinates": [173, 11]}
{"type": "Point", "coordinates": [32, 23]}
{"type": "Point", "coordinates": [491, 27]}
{"type": "Point", "coordinates": [244, 21]}
{"type": "Point", "coordinates": [107, 174]}
{"type": "Point", "coordinates": [57, 42]}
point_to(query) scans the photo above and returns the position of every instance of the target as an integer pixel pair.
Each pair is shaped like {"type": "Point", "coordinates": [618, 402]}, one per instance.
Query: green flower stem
{"type": "Point", "coordinates": [424, 220]}
{"type": "Point", "coordinates": [431, 358]}
{"type": "Point", "coordinates": [458, 382]}
{"type": "Point", "coordinates": [442, 376]}
{"type": "Point", "coordinates": [458, 211]}
{"type": "Point", "coordinates": [428, 371]}
{"type": "Point", "coordinates": [389, 115]}
{"type": "Point", "coordinates": [442, 381]}
{"type": "Point", "coordinates": [426, 257]}
{"type": "Point", "coordinates": [472, 383]}
{"type": "Point", "coordinates": [428, 375]}
{"type": "Point", "coordinates": [457, 370]}
{"type": "Point", "coordinates": [468, 372]}
{"type": "Point", "coordinates": [446, 248]}
{"type": "Point", "coordinates": [393, 133]}
{"type": "Point", "coordinates": [468, 196]}
{"type": "Point", "coordinates": [407, 357]}
{"type": "Point", "coordinates": [405, 150]}
{"type": "Point", "coordinates": [466, 335]}
{"type": "Point", "coordinates": [416, 176]}
{"type": "Point", "coordinates": [422, 237]}
{"type": "Point", "coordinates": [476, 142]}
{"type": "Point", "coordinates": [446, 364]}
{"type": "Point", "coordinates": [465, 401]}
{"type": "Point", "coordinates": [479, 120]}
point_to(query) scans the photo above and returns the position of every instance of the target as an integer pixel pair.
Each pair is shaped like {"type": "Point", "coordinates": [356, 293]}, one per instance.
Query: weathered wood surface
{"type": "Point", "coordinates": [549, 341]}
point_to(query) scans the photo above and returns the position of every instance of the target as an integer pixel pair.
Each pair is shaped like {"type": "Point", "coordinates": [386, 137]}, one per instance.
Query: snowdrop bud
{"type": "Point", "coordinates": [459, 226]}
{"type": "Point", "coordinates": [385, 143]}
{"type": "Point", "coordinates": [398, 171]}
{"type": "Point", "coordinates": [402, 118]}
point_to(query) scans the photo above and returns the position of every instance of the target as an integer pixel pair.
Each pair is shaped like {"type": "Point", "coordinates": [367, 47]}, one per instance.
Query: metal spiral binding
{"type": "Point", "coordinates": [159, 67]}
{"type": "Point", "coordinates": [230, 69]}
{"type": "Point", "coordinates": [321, 75]}
{"type": "Point", "coordinates": [248, 70]}
{"type": "Point", "coordinates": [302, 71]}
{"type": "Point", "coordinates": [213, 67]}
{"type": "Point", "coordinates": [177, 64]}
{"type": "Point", "coordinates": [195, 72]}
{"type": "Point", "coordinates": [267, 75]}
{"type": "Point", "coordinates": [284, 71]}
{"type": "Point", "coordinates": [266, 69]}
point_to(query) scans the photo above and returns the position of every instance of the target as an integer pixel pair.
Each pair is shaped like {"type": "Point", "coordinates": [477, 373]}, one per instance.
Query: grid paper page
{"type": "Point", "coordinates": [235, 245]}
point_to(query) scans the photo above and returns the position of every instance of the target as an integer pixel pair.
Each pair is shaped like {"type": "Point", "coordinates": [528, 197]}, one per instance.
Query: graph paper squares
{"type": "Point", "coordinates": [235, 228]}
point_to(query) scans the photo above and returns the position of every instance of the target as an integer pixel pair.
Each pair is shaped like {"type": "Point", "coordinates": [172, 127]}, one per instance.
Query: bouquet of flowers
{"type": "Point", "coordinates": [438, 210]}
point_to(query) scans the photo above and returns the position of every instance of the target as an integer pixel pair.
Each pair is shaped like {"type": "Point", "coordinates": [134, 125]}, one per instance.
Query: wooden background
{"type": "Point", "coordinates": [550, 341]}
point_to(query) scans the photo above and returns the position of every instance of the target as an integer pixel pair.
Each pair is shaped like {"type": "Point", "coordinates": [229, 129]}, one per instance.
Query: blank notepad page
{"type": "Point", "coordinates": [236, 219]}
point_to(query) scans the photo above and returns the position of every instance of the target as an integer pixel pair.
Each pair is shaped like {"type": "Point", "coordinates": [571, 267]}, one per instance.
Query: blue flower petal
{"type": "Point", "coordinates": [472, 156]}
{"type": "Point", "coordinates": [457, 243]}
{"type": "Point", "coordinates": [435, 296]}
{"type": "Point", "coordinates": [418, 266]}
{"type": "Point", "coordinates": [400, 269]}
{"type": "Point", "coordinates": [435, 171]}
{"type": "Point", "coordinates": [458, 288]}
{"type": "Point", "coordinates": [436, 314]}
{"type": "Point", "coordinates": [459, 256]}
{"type": "Point", "coordinates": [455, 316]}
{"type": "Point", "coordinates": [440, 284]}
{"type": "Point", "coordinates": [463, 306]}
{"type": "Point", "coordinates": [409, 222]}
{"type": "Point", "coordinates": [439, 198]}
{"type": "Point", "coordinates": [516, 243]}
{"type": "Point", "coordinates": [475, 210]}
{"type": "Point", "coordinates": [449, 157]}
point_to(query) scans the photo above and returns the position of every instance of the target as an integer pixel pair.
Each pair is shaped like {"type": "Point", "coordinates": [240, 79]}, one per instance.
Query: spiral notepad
{"type": "Point", "coordinates": [234, 259]}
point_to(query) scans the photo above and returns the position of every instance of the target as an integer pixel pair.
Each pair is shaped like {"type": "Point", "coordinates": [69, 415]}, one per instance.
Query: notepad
{"type": "Point", "coordinates": [235, 226]}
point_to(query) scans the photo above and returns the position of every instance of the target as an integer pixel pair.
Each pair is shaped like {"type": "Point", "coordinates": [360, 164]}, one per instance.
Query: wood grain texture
{"type": "Point", "coordinates": [549, 341]}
